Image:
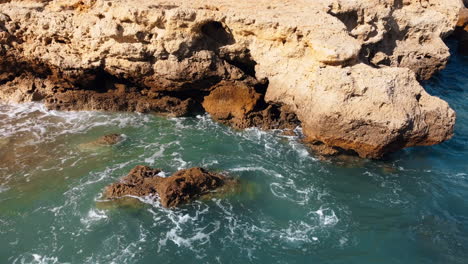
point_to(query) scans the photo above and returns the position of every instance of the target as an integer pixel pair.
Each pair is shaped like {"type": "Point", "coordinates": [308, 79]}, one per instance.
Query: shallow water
{"type": "Point", "coordinates": [294, 208]}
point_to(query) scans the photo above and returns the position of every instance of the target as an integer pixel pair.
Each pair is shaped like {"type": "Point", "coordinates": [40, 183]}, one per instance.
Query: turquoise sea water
{"type": "Point", "coordinates": [294, 208]}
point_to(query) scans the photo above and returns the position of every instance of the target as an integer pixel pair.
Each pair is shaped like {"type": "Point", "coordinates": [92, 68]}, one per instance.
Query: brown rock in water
{"type": "Point", "coordinates": [239, 105]}
{"type": "Point", "coordinates": [322, 149]}
{"type": "Point", "coordinates": [231, 101]}
{"type": "Point", "coordinates": [120, 99]}
{"type": "Point", "coordinates": [102, 142]}
{"type": "Point", "coordinates": [182, 187]}
{"type": "Point", "coordinates": [140, 181]}
{"type": "Point", "coordinates": [185, 185]}
{"type": "Point", "coordinates": [110, 139]}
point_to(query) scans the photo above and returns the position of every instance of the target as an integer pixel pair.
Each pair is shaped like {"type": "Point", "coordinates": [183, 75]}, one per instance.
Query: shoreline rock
{"type": "Point", "coordinates": [348, 70]}
{"type": "Point", "coordinates": [240, 106]}
{"type": "Point", "coordinates": [180, 188]}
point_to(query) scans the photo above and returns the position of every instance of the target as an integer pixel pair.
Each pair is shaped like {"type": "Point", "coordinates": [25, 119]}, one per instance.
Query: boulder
{"type": "Point", "coordinates": [370, 111]}
{"type": "Point", "coordinates": [239, 105]}
{"type": "Point", "coordinates": [231, 101]}
{"type": "Point", "coordinates": [182, 187]}
{"type": "Point", "coordinates": [186, 185]}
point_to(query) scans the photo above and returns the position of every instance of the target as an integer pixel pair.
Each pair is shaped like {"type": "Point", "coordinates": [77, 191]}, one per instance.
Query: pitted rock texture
{"type": "Point", "coordinates": [319, 57]}
{"type": "Point", "coordinates": [239, 105]}
{"type": "Point", "coordinates": [373, 111]}
{"type": "Point", "coordinates": [182, 187]}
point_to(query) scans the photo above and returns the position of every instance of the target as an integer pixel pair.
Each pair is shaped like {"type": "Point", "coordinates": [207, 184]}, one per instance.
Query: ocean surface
{"type": "Point", "coordinates": [293, 208]}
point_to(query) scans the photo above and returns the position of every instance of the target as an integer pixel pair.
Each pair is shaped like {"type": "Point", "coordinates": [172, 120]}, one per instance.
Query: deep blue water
{"type": "Point", "coordinates": [294, 208]}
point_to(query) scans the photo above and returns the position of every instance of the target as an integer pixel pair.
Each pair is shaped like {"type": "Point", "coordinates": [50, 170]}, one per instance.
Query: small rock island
{"type": "Point", "coordinates": [179, 188]}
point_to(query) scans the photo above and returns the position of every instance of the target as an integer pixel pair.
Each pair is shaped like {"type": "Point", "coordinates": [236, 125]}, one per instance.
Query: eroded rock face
{"type": "Point", "coordinates": [320, 59]}
{"type": "Point", "coordinates": [122, 99]}
{"type": "Point", "coordinates": [182, 187]}
{"type": "Point", "coordinates": [239, 105]}
{"type": "Point", "coordinates": [401, 33]}
{"type": "Point", "coordinates": [372, 111]}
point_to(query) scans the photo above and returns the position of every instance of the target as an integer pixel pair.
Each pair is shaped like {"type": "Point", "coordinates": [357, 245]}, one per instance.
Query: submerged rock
{"type": "Point", "coordinates": [104, 141]}
{"type": "Point", "coordinates": [182, 187]}
{"type": "Point", "coordinates": [108, 140]}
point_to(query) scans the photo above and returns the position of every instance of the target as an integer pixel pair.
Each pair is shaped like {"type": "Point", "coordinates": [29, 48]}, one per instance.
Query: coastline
{"type": "Point", "coordinates": [170, 61]}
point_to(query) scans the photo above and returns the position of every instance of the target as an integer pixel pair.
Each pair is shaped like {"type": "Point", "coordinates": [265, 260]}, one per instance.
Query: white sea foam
{"type": "Point", "coordinates": [44, 125]}
{"type": "Point", "coordinates": [257, 168]}
{"type": "Point", "coordinates": [327, 217]}
{"type": "Point", "coordinates": [199, 224]}
{"type": "Point", "coordinates": [94, 215]}
{"type": "Point", "coordinates": [151, 160]}
{"type": "Point", "coordinates": [38, 259]}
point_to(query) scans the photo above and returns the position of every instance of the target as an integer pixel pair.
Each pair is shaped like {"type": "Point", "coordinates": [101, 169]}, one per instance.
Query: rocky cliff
{"type": "Point", "coordinates": [349, 69]}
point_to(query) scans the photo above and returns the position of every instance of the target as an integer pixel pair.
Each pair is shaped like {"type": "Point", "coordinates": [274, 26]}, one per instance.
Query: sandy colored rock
{"type": "Point", "coordinates": [320, 59]}
{"type": "Point", "coordinates": [182, 187]}
{"type": "Point", "coordinates": [372, 111]}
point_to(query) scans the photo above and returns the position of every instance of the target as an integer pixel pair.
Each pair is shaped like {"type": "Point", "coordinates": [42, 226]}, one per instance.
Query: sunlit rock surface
{"type": "Point", "coordinates": [348, 69]}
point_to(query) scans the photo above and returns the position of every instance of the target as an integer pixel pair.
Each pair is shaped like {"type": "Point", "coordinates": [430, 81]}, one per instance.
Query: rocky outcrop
{"type": "Point", "coordinates": [182, 187]}
{"type": "Point", "coordinates": [372, 111]}
{"type": "Point", "coordinates": [405, 33]}
{"type": "Point", "coordinates": [121, 98]}
{"type": "Point", "coordinates": [241, 106]}
{"type": "Point", "coordinates": [461, 32]}
{"type": "Point", "coordinates": [349, 70]}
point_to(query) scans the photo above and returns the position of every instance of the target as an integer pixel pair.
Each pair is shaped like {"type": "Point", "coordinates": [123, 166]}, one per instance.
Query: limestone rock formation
{"type": "Point", "coordinates": [182, 187]}
{"type": "Point", "coordinates": [372, 111]}
{"type": "Point", "coordinates": [348, 69]}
